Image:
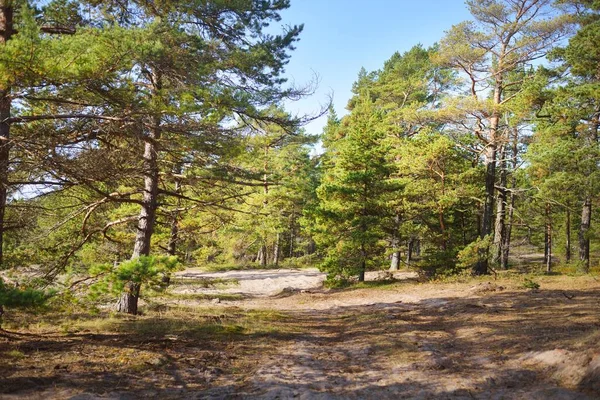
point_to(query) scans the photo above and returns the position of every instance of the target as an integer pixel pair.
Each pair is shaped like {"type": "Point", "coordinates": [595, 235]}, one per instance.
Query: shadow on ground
{"type": "Point", "coordinates": [535, 345]}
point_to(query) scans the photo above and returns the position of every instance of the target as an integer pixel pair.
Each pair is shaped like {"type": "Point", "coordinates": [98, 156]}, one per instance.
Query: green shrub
{"type": "Point", "coordinates": [474, 252]}
{"type": "Point", "coordinates": [438, 264]}
{"type": "Point", "coordinates": [145, 270]}
{"type": "Point", "coordinates": [16, 297]}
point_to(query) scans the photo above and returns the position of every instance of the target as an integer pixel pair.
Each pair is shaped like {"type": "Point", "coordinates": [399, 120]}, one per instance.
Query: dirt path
{"type": "Point", "coordinates": [407, 340]}
{"type": "Point", "coordinates": [428, 341]}
{"type": "Point", "coordinates": [457, 350]}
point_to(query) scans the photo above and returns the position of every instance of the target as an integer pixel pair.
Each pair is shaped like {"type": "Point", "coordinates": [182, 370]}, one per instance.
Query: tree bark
{"type": "Point", "coordinates": [548, 240]}
{"type": "Point", "coordinates": [174, 237]}
{"type": "Point", "coordinates": [395, 263]}
{"type": "Point", "coordinates": [507, 232]}
{"type": "Point", "coordinates": [463, 228]}
{"type": "Point", "coordinates": [568, 237]}
{"type": "Point", "coordinates": [128, 302]}
{"type": "Point", "coordinates": [292, 235]}
{"type": "Point", "coordinates": [6, 31]}
{"type": "Point", "coordinates": [147, 217]}
{"type": "Point", "coordinates": [481, 268]}
{"type": "Point", "coordinates": [361, 274]}
{"type": "Point", "coordinates": [510, 206]}
{"type": "Point", "coordinates": [500, 223]}
{"type": "Point", "coordinates": [311, 247]}
{"type": "Point", "coordinates": [363, 263]}
{"type": "Point", "coordinates": [262, 255]}
{"type": "Point", "coordinates": [276, 251]}
{"type": "Point", "coordinates": [584, 239]}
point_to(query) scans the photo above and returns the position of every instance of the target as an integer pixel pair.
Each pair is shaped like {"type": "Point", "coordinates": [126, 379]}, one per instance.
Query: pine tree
{"type": "Point", "coordinates": [504, 36]}
{"type": "Point", "coordinates": [349, 222]}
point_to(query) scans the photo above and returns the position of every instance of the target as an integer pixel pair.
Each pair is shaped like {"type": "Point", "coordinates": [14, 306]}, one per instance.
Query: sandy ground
{"type": "Point", "coordinates": [266, 283]}
{"type": "Point", "coordinates": [471, 340]}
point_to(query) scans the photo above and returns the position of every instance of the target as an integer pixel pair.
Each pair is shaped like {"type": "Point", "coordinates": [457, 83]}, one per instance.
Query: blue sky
{"type": "Point", "coordinates": [341, 36]}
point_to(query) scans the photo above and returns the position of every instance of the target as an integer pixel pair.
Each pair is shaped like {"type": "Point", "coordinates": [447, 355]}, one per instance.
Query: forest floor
{"type": "Point", "coordinates": [277, 334]}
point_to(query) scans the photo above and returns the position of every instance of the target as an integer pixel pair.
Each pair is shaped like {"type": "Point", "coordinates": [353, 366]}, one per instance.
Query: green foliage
{"type": "Point", "coordinates": [439, 263]}
{"type": "Point", "coordinates": [348, 224]}
{"type": "Point", "coordinates": [475, 252]}
{"type": "Point", "coordinates": [16, 297]}
{"type": "Point", "coordinates": [235, 179]}
{"type": "Point", "coordinates": [530, 284]}
{"type": "Point", "coordinates": [145, 270]}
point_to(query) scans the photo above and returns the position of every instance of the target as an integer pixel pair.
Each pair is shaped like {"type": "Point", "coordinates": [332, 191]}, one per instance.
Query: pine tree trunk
{"type": "Point", "coordinates": [5, 108]}
{"type": "Point", "coordinates": [128, 302]}
{"type": "Point", "coordinates": [395, 263]}
{"type": "Point", "coordinates": [444, 242]}
{"type": "Point", "coordinates": [591, 139]}
{"type": "Point", "coordinates": [258, 255]}
{"type": "Point", "coordinates": [311, 247]}
{"type": "Point", "coordinates": [363, 264]}
{"type": "Point", "coordinates": [147, 217]}
{"type": "Point", "coordinates": [548, 241]}
{"type": "Point", "coordinates": [361, 274]}
{"type": "Point", "coordinates": [6, 31]}
{"type": "Point", "coordinates": [500, 225]}
{"type": "Point", "coordinates": [292, 236]}
{"type": "Point", "coordinates": [584, 239]}
{"type": "Point", "coordinates": [481, 268]}
{"type": "Point", "coordinates": [409, 250]}
{"type": "Point", "coordinates": [510, 206]}
{"type": "Point", "coordinates": [568, 237]}
{"type": "Point", "coordinates": [463, 228]}
{"type": "Point", "coordinates": [174, 237]}
{"type": "Point", "coordinates": [263, 255]}
{"type": "Point", "coordinates": [507, 232]}
{"type": "Point", "coordinates": [276, 251]}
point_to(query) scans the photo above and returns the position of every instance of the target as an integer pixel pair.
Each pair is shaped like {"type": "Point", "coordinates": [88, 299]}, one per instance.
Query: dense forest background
{"type": "Point", "coordinates": [138, 137]}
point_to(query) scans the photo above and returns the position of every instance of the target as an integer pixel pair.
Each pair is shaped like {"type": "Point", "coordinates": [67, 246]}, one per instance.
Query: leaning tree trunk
{"type": "Point", "coordinates": [584, 238]}
{"type": "Point", "coordinates": [128, 302]}
{"type": "Point", "coordinates": [6, 31]}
